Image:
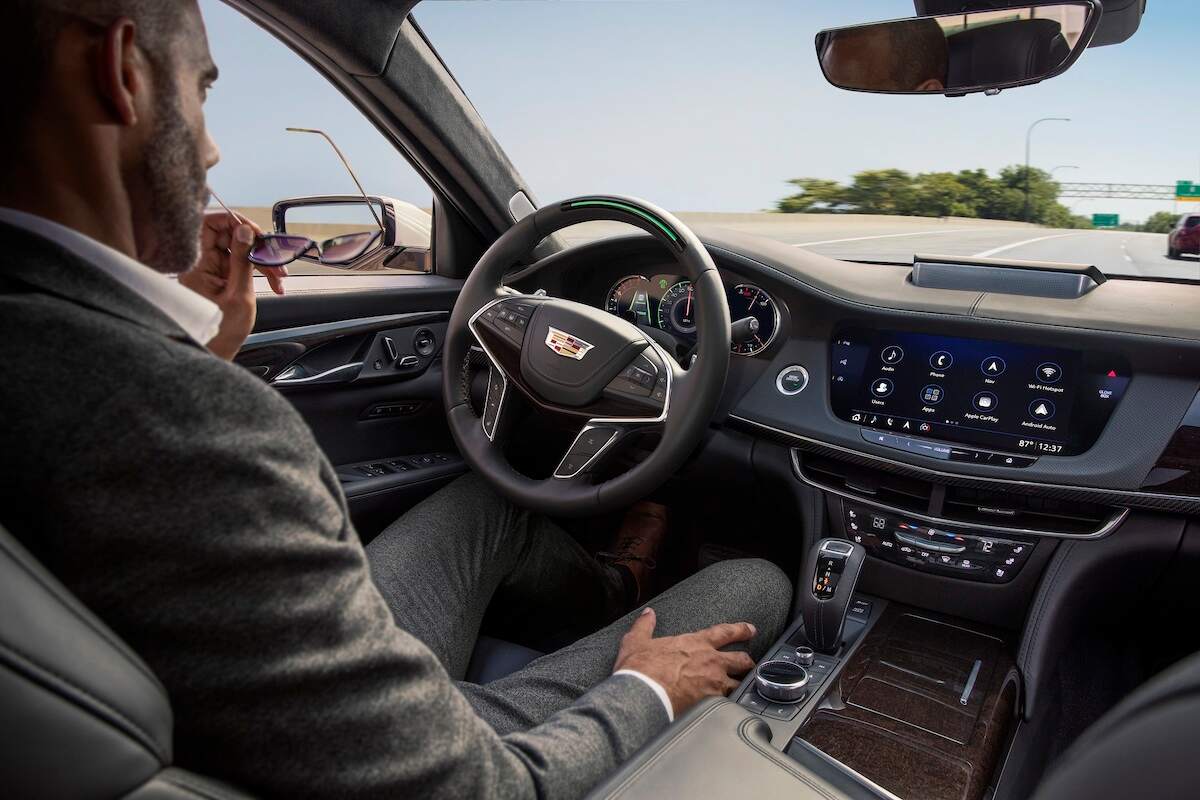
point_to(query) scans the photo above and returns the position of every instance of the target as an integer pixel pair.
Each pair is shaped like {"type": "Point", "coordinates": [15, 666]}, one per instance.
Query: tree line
{"type": "Point", "coordinates": [966, 193]}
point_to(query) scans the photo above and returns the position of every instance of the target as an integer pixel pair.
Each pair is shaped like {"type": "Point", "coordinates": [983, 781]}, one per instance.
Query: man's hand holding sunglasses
{"type": "Point", "coordinates": [224, 274]}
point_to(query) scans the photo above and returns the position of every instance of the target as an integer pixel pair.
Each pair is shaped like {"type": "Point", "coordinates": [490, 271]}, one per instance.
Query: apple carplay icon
{"type": "Point", "coordinates": [985, 402]}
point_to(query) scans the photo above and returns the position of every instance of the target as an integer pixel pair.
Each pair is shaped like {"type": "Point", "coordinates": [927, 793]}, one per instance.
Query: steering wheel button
{"type": "Point", "coordinates": [592, 441]}
{"type": "Point", "coordinates": [571, 465]}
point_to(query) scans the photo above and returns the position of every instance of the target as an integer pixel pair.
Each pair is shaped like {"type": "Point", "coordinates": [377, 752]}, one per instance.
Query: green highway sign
{"type": "Point", "coordinates": [1186, 190]}
{"type": "Point", "coordinates": [1106, 220]}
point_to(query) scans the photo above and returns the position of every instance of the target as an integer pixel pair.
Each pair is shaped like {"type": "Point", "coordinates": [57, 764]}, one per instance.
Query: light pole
{"type": "Point", "coordinates": [1062, 166]}
{"type": "Point", "coordinates": [1028, 137]}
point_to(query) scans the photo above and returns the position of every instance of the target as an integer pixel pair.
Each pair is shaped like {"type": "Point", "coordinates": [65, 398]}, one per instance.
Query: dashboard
{"type": "Point", "coordinates": [1091, 398]}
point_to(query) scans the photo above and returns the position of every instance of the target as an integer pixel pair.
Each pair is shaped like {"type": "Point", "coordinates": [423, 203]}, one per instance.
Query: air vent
{"type": "Point", "coordinates": [897, 491]}
{"type": "Point", "coordinates": [996, 509]}
{"type": "Point", "coordinates": [1005, 509]}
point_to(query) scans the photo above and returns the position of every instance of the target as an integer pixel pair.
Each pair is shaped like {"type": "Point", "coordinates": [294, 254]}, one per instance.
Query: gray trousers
{"type": "Point", "coordinates": [442, 565]}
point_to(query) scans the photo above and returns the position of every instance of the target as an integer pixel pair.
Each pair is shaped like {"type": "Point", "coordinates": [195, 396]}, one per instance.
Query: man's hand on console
{"type": "Point", "coordinates": [224, 275]}
{"type": "Point", "coordinates": [689, 667]}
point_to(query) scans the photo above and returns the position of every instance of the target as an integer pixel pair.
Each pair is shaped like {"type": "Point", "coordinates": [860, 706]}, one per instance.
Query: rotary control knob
{"type": "Point", "coordinates": [805, 655]}
{"type": "Point", "coordinates": [781, 681]}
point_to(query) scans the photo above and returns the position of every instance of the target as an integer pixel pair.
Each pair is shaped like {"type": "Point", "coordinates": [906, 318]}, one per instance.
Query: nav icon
{"type": "Point", "coordinates": [993, 366]}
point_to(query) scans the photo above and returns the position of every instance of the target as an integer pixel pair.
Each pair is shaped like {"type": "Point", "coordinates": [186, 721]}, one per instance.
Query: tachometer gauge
{"type": "Point", "coordinates": [677, 309]}
{"type": "Point", "coordinates": [747, 300]}
{"type": "Point", "coordinates": [629, 299]}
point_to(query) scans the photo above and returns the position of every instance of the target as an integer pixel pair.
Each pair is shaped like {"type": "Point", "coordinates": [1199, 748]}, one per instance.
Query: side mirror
{"type": "Point", "coordinates": [955, 54]}
{"type": "Point", "coordinates": [359, 234]}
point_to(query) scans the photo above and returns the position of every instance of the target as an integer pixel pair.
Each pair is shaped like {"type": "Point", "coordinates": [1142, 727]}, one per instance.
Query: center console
{"type": "Point", "coordinates": [907, 705]}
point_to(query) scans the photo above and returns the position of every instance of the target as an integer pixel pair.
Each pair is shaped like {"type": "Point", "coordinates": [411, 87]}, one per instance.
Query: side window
{"type": "Point", "coordinates": [1192, 222]}
{"type": "Point", "coordinates": [295, 181]}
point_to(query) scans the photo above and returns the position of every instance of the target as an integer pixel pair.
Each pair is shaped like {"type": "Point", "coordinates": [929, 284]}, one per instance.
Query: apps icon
{"type": "Point", "coordinates": [932, 394]}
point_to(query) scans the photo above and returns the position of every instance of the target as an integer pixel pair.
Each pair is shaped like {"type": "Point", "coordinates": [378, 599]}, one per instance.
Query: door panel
{"type": "Point", "coordinates": [364, 369]}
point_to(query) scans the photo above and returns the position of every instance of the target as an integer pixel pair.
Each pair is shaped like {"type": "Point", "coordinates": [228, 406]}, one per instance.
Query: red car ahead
{"type": "Point", "coordinates": [1184, 237]}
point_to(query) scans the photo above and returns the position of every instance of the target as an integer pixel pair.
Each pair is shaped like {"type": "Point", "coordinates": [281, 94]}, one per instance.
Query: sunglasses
{"type": "Point", "coordinates": [279, 249]}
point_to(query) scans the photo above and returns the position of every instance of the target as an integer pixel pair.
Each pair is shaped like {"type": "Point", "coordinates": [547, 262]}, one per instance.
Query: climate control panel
{"type": "Point", "coordinates": [944, 551]}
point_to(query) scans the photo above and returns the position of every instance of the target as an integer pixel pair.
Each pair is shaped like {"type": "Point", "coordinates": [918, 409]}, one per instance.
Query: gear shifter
{"type": "Point", "coordinates": [836, 564]}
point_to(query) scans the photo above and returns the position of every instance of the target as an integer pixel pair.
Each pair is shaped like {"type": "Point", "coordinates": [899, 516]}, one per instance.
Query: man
{"type": "Point", "coordinates": [901, 56]}
{"type": "Point", "coordinates": [187, 504]}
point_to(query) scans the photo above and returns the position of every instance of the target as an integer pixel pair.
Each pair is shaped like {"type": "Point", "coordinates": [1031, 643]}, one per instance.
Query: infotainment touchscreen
{"type": "Point", "coordinates": [1002, 395]}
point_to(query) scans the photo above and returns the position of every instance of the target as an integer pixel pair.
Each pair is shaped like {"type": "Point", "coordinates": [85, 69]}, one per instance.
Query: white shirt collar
{"type": "Point", "coordinates": [199, 317]}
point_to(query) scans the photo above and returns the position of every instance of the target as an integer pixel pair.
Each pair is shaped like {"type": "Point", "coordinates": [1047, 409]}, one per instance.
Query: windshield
{"type": "Point", "coordinates": [718, 111]}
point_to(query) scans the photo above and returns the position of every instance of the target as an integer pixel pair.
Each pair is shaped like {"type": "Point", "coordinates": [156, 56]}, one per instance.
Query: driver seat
{"type": "Point", "coordinates": [85, 716]}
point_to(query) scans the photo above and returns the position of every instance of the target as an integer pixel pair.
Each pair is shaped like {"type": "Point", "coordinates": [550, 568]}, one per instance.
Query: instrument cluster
{"type": "Point", "coordinates": [666, 302]}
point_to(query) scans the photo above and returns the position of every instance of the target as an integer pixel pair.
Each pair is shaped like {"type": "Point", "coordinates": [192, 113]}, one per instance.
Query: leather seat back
{"type": "Point", "coordinates": [82, 715]}
{"type": "Point", "coordinates": [1146, 746]}
{"type": "Point", "coordinates": [1007, 51]}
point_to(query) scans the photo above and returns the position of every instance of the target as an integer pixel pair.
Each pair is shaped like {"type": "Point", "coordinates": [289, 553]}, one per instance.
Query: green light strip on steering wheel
{"type": "Point", "coordinates": [655, 221]}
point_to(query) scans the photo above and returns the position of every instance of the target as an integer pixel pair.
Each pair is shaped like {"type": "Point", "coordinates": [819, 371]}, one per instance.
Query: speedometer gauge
{"type": "Point", "coordinates": [747, 300]}
{"type": "Point", "coordinates": [629, 299]}
{"type": "Point", "coordinates": [677, 310]}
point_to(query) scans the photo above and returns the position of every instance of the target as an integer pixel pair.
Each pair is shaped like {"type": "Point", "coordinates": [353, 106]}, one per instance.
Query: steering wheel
{"type": "Point", "coordinates": [581, 363]}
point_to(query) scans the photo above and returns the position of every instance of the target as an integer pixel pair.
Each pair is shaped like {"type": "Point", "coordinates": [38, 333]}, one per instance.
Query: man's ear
{"type": "Point", "coordinates": [122, 73]}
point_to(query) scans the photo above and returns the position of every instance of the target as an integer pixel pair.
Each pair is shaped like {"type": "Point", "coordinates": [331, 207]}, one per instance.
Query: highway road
{"type": "Point", "coordinates": [881, 238]}
{"type": "Point", "coordinates": [867, 238]}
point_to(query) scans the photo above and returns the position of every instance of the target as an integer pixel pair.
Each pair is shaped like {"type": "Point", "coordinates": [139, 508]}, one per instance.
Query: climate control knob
{"type": "Point", "coordinates": [781, 681]}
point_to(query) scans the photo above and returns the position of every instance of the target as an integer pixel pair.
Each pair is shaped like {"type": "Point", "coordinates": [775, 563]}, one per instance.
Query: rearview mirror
{"type": "Point", "coordinates": [954, 54]}
{"type": "Point", "coordinates": [358, 233]}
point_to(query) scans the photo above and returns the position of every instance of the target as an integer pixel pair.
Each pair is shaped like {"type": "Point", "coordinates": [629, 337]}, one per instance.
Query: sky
{"type": "Point", "coordinates": [702, 106]}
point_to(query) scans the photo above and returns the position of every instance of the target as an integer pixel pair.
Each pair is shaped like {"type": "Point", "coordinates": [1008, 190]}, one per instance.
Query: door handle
{"type": "Point", "coordinates": [293, 376]}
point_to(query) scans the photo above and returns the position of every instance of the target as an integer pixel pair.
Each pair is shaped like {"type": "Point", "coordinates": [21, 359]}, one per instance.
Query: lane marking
{"type": "Point", "coordinates": [1002, 248]}
{"type": "Point", "coordinates": [883, 236]}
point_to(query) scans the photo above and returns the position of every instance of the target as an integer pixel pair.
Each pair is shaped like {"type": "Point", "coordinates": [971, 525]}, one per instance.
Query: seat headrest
{"type": "Point", "coordinates": [83, 715]}
{"type": "Point", "coordinates": [1027, 48]}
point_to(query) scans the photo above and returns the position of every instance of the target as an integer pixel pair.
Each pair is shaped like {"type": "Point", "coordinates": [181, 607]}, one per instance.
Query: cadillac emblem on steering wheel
{"type": "Point", "coordinates": [567, 345]}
